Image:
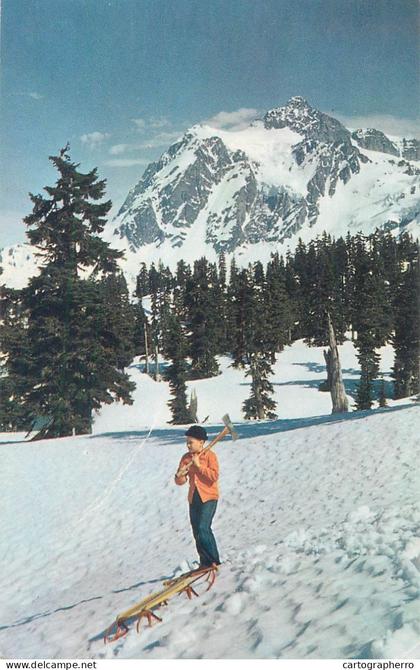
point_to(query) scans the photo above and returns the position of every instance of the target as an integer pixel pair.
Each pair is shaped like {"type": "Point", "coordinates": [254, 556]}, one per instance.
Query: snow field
{"type": "Point", "coordinates": [298, 371]}
{"type": "Point", "coordinates": [318, 527]}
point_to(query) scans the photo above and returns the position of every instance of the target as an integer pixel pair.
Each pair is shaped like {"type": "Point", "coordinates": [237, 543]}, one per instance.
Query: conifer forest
{"type": "Point", "coordinates": [68, 336]}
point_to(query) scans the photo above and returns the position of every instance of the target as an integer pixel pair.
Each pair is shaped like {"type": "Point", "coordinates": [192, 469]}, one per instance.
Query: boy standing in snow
{"type": "Point", "coordinates": [202, 469]}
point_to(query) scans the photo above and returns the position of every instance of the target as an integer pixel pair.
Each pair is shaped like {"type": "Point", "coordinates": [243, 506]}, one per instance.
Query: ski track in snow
{"type": "Point", "coordinates": [318, 528]}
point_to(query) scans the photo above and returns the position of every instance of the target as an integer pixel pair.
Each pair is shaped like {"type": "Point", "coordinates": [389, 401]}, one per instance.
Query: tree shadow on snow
{"type": "Point", "coordinates": [47, 613]}
{"type": "Point", "coordinates": [258, 428]}
{"type": "Point", "coordinates": [313, 367]}
{"type": "Point", "coordinates": [246, 429]}
{"type": "Point", "coordinates": [350, 386]}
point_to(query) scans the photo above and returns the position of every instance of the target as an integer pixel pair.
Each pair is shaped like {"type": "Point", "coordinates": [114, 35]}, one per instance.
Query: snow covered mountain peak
{"type": "Point", "coordinates": [218, 189]}
{"type": "Point", "coordinates": [291, 174]}
{"type": "Point", "coordinates": [300, 117]}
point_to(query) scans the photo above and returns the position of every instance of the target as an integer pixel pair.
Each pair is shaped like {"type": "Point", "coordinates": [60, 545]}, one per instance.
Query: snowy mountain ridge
{"type": "Point", "coordinates": [294, 173]}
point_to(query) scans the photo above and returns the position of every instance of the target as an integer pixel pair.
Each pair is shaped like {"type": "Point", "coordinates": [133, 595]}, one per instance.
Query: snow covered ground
{"type": "Point", "coordinates": [318, 527]}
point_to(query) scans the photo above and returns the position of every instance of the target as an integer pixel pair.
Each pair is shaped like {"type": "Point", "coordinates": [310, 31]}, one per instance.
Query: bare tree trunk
{"type": "Point", "coordinates": [146, 346]}
{"type": "Point", "coordinates": [335, 379]}
{"type": "Point", "coordinates": [157, 373]}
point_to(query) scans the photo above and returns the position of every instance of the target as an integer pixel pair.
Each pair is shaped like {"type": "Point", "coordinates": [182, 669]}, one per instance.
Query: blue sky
{"type": "Point", "coordinates": [122, 79]}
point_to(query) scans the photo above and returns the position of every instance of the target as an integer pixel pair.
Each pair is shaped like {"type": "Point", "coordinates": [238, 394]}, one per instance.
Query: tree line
{"type": "Point", "coordinates": [368, 284]}
{"type": "Point", "coordinates": [68, 336]}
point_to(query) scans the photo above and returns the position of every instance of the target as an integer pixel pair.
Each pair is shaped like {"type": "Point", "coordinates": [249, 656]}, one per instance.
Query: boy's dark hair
{"type": "Point", "coordinates": [198, 432]}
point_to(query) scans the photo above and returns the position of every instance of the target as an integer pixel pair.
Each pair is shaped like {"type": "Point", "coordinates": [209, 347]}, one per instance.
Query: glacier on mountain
{"type": "Point", "coordinates": [292, 174]}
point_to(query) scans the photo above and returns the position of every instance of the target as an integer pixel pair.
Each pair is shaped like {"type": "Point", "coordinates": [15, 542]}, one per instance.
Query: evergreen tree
{"type": "Point", "coordinates": [343, 278]}
{"type": "Point", "coordinates": [291, 285]}
{"type": "Point", "coordinates": [279, 316]}
{"type": "Point", "coordinates": [217, 305]}
{"type": "Point", "coordinates": [120, 319]}
{"type": "Point", "coordinates": [303, 277]}
{"type": "Point", "coordinates": [15, 358]}
{"type": "Point", "coordinates": [201, 321]}
{"type": "Point", "coordinates": [323, 296]}
{"type": "Point", "coordinates": [371, 305]}
{"type": "Point", "coordinates": [222, 306]}
{"type": "Point", "coordinates": [369, 364]}
{"type": "Point", "coordinates": [140, 329]}
{"type": "Point", "coordinates": [71, 369]}
{"type": "Point", "coordinates": [155, 288]}
{"type": "Point", "coordinates": [142, 282]}
{"type": "Point", "coordinates": [176, 373]}
{"type": "Point", "coordinates": [182, 276]}
{"type": "Point", "coordinates": [259, 405]}
{"type": "Point", "coordinates": [161, 285]}
{"type": "Point", "coordinates": [370, 316]}
{"type": "Point", "coordinates": [231, 291]}
{"type": "Point", "coordinates": [384, 317]}
{"type": "Point", "coordinates": [363, 397]}
{"type": "Point", "coordinates": [222, 269]}
{"type": "Point", "coordinates": [233, 273]}
{"type": "Point", "coordinates": [406, 338]}
{"type": "Point", "coordinates": [243, 311]}
{"type": "Point", "coordinates": [386, 251]}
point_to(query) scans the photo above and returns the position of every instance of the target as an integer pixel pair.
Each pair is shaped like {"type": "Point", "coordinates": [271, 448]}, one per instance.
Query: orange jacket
{"type": "Point", "coordinates": [204, 478]}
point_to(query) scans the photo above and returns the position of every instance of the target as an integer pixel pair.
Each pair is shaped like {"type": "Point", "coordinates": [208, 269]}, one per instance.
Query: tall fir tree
{"type": "Point", "coordinates": [369, 314]}
{"type": "Point", "coordinates": [142, 282]}
{"type": "Point", "coordinates": [70, 371]}
{"type": "Point", "coordinates": [260, 404]}
{"type": "Point", "coordinates": [182, 276]}
{"type": "Point", "coordinates": [406, 337]}
{"type": "Point", "coordinates": [217, 306]}
{"type": "Point", "coordinates": [222, 269]}
{"type": "Point", "coordinates": [303, 276]}
{"type": "Point", "coordinates": [243, 310]}
{"type": "Point", "coordinates": [222, 306]}
{"type": "Point", "coordinates": [140, 330]}
{"type": "Point", "coordinates": [280, 315]}
{"type": "Point", "coordinates": [120, 318]}
{"type": "Point", "coordinates": [14, 360]}
{"type": "Point", "coordinates": [291, 285]}
{"type": "Point", "coordinates": [231, 290]}
{"type": "Point", "coordinates": [369, 368]}
{"type": "Point", "coordinates": [161, 285]}
{"type": "Point", "coordinates": [176, 373]}
{"type": "Point", "coordinates": [201, 321]}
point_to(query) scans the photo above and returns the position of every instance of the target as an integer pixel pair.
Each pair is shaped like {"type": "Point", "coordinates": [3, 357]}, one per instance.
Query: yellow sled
{"type": "Point", "coordinates": [143, 609]}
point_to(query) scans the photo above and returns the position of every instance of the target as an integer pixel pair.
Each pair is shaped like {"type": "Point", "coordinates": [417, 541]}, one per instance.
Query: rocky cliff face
{"type": "Point", "coordinates": [410, 149]}
{"type": "Point", "coordinates": [326, 141]}
{"type": "Point", "coordinates": [173, 191]}
{"type": "Point", "coordinates": [293, 173]}
{"type": "Point", "coordinates": [262, 184]}
{"type": "Point", "coordinates": [375, 140]}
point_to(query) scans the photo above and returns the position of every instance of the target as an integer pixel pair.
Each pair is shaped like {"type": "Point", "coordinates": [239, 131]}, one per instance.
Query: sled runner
{"type": "Point", "coordinates": [143, 609]}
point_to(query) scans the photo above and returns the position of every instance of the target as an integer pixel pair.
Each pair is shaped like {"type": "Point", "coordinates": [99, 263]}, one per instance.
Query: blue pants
{"type": "Point", "coordinates": [201, 516]}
